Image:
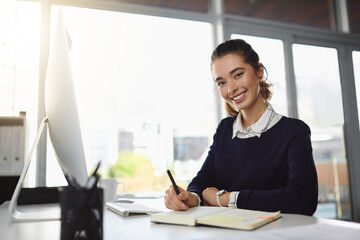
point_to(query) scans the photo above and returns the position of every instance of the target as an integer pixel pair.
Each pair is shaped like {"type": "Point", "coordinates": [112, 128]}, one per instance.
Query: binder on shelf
{"type": "Point", "coordinates": [17, 150]}
{"type": "Point", "coordinates": [12, 144]}
{"type": "Point", "coordinates": [5, 150]}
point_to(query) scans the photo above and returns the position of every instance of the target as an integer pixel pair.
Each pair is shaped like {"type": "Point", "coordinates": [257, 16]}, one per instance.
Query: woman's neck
{"type": "Point", "coordinates": [252, 114]}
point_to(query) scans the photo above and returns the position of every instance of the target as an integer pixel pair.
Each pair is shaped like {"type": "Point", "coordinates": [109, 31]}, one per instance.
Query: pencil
{"type": "Point", "coordinates": [173, 182]}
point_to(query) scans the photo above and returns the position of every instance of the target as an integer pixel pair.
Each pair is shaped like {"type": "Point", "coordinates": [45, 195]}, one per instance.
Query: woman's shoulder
{"type": "Point", "coordinates": [226, 122]}
{"type": "Point", "coordinates": [294, 121]}
{"type": "Point", "coordinates": [294, 124]}
{"type": "Point", "coordinates": [225, 125]}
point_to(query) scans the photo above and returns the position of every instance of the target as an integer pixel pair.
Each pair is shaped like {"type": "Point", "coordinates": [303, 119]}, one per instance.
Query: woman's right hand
{"type": "Point", "coordinates": [181, 202]}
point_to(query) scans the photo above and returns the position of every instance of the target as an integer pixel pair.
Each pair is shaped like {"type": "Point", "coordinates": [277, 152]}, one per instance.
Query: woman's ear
{"type": "Point", "coordinates": [260, 72]}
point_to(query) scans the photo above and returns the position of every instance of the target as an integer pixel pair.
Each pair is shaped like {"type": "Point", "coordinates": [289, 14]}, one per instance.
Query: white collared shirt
{"type": "Point", "coordinates": [266, 121]}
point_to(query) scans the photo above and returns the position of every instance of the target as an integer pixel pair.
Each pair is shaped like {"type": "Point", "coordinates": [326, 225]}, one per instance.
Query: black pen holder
{"type": "Point", "coordinates": [81, 213]}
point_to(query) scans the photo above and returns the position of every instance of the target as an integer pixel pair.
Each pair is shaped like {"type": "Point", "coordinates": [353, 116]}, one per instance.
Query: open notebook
{"type": "Point", "coordinates": [218, 217]}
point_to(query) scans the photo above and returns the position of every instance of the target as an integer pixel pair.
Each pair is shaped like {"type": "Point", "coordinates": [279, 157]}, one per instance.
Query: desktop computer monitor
{"type": "Point", "coordinates": [61, 108]}
{"type": "Point", "coordinates": [63, 124]}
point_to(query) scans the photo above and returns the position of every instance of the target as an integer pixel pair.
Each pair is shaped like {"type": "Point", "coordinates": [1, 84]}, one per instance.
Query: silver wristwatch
{"type": "Point", "coordinates": [218, 194]}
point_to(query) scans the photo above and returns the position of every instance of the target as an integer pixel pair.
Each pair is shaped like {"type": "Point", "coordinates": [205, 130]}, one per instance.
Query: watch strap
{"type": "Point", "coordinates": [199, 199]}
{"type": "Point", "coordinates": [218, 194]}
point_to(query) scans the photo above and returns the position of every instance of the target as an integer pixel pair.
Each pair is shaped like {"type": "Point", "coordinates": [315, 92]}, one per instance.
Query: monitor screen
{"type": "Point", "coordinates": [63, 124]}
{"type": "Point", "coordinates": [61, 107]}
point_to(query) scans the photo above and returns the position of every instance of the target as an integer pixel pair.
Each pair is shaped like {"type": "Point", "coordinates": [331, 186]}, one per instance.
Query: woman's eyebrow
{"type": "Point", "coordinates": [236, 69]}
{"type": "Point", "coordinates": [231, 72]}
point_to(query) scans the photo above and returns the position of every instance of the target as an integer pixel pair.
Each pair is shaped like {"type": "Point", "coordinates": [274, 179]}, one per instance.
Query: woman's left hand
{"type": "Point", "coordinates": [209, 195]}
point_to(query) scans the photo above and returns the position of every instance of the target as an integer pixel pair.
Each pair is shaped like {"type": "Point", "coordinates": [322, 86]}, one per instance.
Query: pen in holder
{"type": "Point", "coordinates": [81, 212]}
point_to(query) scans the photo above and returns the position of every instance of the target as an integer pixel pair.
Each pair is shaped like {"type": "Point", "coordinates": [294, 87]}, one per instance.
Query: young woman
{"type": "Point", "coordinates": [259, 159]}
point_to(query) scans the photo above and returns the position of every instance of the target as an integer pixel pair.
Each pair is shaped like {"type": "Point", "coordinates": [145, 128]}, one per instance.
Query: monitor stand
{"type": "Point", "coordinates": [43, 214]}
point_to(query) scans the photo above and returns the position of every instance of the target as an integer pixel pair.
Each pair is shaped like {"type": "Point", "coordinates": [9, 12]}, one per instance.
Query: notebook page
{"type": "Point", "coordinates": [196, 212]}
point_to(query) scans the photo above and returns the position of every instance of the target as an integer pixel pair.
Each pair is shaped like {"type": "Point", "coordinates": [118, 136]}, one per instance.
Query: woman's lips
{"type": "Point", "coordinates": [239, 98]}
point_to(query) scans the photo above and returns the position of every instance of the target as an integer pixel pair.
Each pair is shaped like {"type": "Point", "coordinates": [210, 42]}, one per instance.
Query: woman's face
{"type": "Point", "coordinates": [237, 81]}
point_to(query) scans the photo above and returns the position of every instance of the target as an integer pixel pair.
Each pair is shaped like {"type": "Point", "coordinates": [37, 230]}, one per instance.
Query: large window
{"type": "Point", "coordinates": [19, 57]}
{"type": "Point", "coordinates": [320, 106]}
{"type": "Point", "coordinates": [19, 64]}
{"type": "Point", "coordinates": [145, 94]}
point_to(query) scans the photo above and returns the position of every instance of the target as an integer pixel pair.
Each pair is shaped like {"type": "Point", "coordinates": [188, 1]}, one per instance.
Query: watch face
{"type": "Point", "coordinates": [221, 192]}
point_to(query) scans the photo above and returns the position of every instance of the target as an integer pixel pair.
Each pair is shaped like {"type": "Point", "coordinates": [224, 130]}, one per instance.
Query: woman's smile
{"type": "Point", "coordinates": [239, 98]}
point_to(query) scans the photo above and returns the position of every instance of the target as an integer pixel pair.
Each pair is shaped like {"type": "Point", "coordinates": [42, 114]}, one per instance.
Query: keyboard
{"type": "Point", "coordinates": [125, 209]}
{"type": "Point", "coordinates": [142, 195]}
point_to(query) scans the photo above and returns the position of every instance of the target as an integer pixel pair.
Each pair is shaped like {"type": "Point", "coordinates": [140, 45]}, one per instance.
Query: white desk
{"type": "Point", "coordinates": [290, 226]}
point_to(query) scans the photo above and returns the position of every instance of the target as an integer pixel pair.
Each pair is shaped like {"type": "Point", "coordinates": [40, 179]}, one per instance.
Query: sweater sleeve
{"type": "Point", "coordinates": [206, 176]}
{"type": "Point", "coordinates": [300, 194]}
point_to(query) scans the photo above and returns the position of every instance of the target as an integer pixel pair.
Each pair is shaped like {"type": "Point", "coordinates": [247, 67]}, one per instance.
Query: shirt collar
{"type": "Point", "coordinates": [255, 129]}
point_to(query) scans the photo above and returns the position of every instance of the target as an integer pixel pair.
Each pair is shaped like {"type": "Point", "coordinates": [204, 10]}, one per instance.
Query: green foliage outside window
{"type": "Point", "coordinates": [138, 174]}
{"type": "Point", "coordinates": [129, 165]}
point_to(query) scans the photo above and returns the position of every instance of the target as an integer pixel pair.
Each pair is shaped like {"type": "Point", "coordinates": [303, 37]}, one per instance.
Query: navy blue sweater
{"type": "Point", "coordinates": [274, 172]}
